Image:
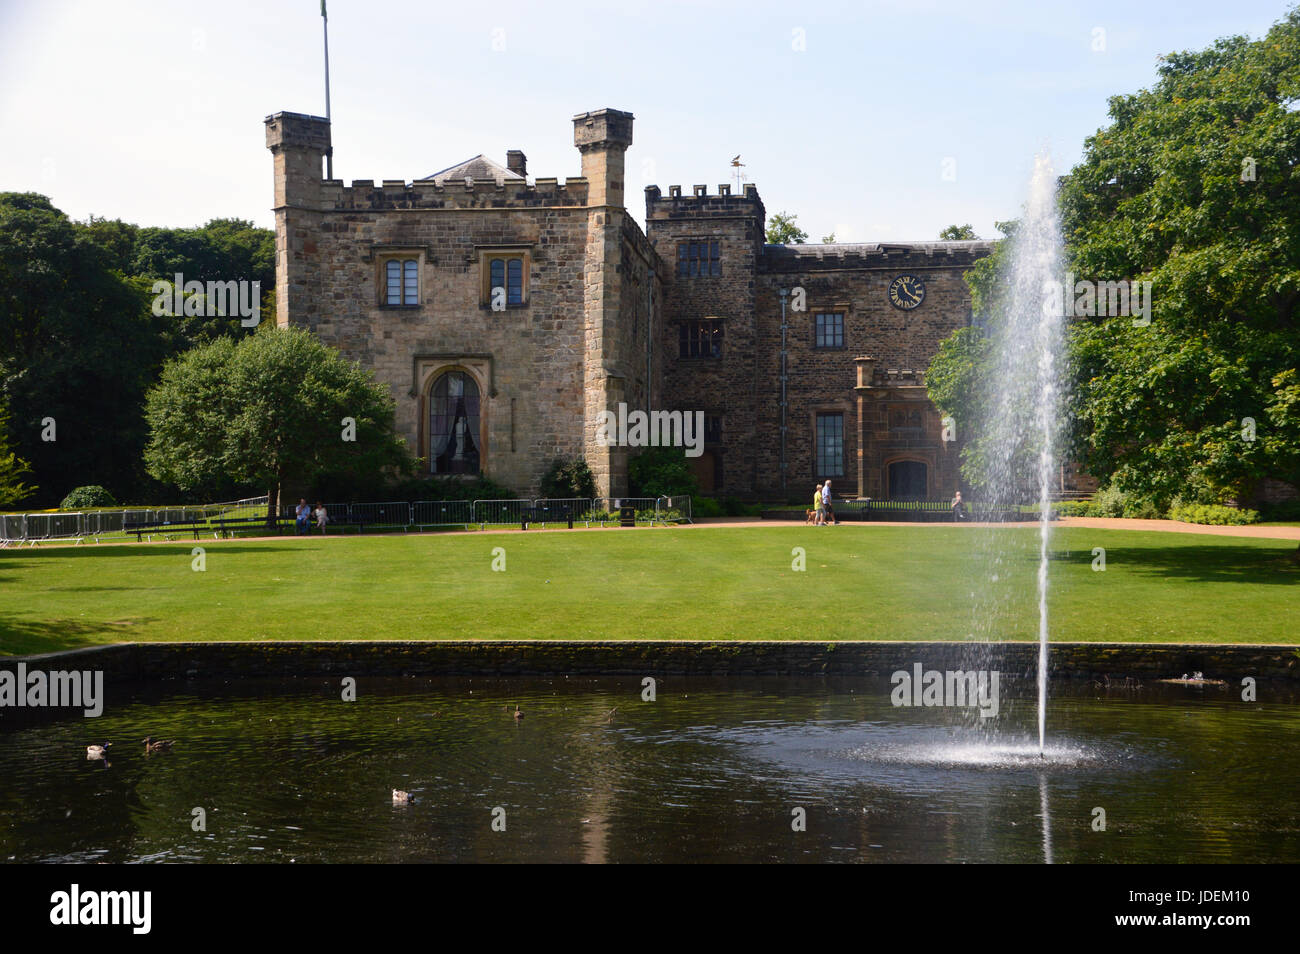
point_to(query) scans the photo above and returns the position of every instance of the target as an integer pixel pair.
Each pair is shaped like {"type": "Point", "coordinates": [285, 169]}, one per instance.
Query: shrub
{"type": "Point", "coordinates": [1141, 508]}
{"type": "Point", "coordinates": [443, 488]}
{"type": "Point", "coordinates": [1286, 510]}
{"type": "Point", "coordinates": [1213, 515]}
{"type": "Point", "coordinates": [660, 471]}
{"type": "Point", "coordinates": [84, 498]}
{"type": "Point", "coordinates": [1113, 502]}
{"type": "Point", "coordinates": [705, 507]}
{"type": "Point", "coordinates": [1075, 508]}
{"type": "Point", "coordinates": [569, 478]}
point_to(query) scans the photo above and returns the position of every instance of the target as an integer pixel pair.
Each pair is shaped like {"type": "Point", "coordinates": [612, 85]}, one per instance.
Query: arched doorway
{"type": "Point", "coordinates": [454, 417]}
{"type": "Point", "coordinates": [908, 480]}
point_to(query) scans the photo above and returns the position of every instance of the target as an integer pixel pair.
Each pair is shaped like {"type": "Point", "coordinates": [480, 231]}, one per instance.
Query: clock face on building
{"type": "Point", "coordinates": [906, 292]}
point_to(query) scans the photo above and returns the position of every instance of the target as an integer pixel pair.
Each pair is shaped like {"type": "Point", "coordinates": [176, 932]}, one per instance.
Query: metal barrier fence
{"type": "Point", "coordinates": [501, 511]}
{"type": "Point", "coordinates": [561, 509]}
{"type": "Point", "coordinates": [35, 527]}
{"type": "Point", "coordinates": [442, 513]}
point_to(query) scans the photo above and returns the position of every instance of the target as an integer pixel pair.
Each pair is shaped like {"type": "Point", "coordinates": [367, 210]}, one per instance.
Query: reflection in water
{"type": "Point", "coordinates": [710, 771]}
{"type": "Point", "coordinates": [1047, 819]}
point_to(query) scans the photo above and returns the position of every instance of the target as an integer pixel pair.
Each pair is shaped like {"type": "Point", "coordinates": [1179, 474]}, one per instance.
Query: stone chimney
{"type": "Point", "coordinates": [517, 162]}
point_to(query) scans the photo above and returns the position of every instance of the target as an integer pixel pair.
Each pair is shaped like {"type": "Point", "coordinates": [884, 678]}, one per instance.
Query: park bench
{"type": "Point", "coordinates": [344, 520]}
{"type": "Point", "coordinates": [163, 528]}
{"type": "Point", "coordinates": [226, 525]}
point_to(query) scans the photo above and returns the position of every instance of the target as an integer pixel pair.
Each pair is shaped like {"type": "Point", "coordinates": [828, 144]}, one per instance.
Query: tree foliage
{"type": "Point", "coordinates": [1194, 186]}
{"type": "Point", "coordinates": [568, 478]}
{"type": "Point", "coordinates": [78, 348]}
{"type": "Point", "coordinates": [278, 406]}
{"type": "Point", "coordinates": [79, 343]}
{"type": "Point", "coordinates": [783, 229]}
{"type": "Point", "coordinates": [958, 233]}
{"type": "Point", "coordinates": [661, 471]}
{"type": "Point", "coordinates": [13, 469]}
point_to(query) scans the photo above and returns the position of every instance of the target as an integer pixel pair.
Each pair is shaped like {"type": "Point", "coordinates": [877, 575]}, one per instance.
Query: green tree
{"type": "Point", "coordinates": [961, 372]}
{"type": "Point", "coordinates": [958, 233]}
{"type": "Point", "coordinates": [278, 406]}
{"type": "Point", "coordinates": [782, 229]}
{"type": "Point", "coordinates": [78, 348]}
{"type": "Point", "coordinates": [12, 467]}
{"type": "Point", "coordinates": [1195, 187]}
{"type": "Point", "coordinates": [828, 239]}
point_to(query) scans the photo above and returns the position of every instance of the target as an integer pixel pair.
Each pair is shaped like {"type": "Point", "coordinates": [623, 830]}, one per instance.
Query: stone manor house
{"type": "Point", "coordinates": [507, 312]}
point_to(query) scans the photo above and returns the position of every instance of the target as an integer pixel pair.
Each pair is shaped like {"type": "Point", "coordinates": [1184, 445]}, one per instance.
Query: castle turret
{"type": "Point", "coordinates": [299, 144]}
{"type": "Point", "coordinates": [602, 136]}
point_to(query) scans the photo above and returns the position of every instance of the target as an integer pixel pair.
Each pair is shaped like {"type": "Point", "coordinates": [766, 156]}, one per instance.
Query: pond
{"type": "Point", "coordinates": [711, 770]}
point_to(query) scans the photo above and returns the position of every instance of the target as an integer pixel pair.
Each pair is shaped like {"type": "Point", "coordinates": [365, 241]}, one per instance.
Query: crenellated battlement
{"type": "Point", "coordinates": [389, 194]}
{"type": "Point", "coordinates": [698, 202]}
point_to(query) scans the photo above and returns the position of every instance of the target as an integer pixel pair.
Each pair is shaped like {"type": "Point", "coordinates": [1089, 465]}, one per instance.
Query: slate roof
{"type": "Point", "coordinates": [476, 167]}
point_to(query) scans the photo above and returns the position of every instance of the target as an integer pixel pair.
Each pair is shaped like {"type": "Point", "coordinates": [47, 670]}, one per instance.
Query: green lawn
{"type": "Point", "coordinates": [861, 582]}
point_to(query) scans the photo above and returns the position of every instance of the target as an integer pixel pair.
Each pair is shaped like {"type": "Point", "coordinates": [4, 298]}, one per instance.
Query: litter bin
{"type": "Point", "coordinates": [627, 516]}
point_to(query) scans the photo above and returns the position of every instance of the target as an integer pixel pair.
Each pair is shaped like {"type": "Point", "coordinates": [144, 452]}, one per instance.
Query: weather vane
{"type": "Point", "coordinates": [740, 176]}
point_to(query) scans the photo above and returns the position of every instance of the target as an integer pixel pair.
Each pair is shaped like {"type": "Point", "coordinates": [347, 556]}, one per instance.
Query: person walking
{"type": "Point", "coordinates": [958, 507]}
{"type": "Point", "coordinates": [818, 507]}
{"type": "Point", "coordinates": [828, 512]}
{"type": "Point", "coordinates": [302, 517]}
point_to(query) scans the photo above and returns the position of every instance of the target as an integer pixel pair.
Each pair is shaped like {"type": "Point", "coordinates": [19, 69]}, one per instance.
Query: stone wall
{"type": "Point", "coordinates": [854, 280]}
{"type": "Point", "coordinates": [725, 388]}
{"type": "Point", "coordinates": [531, 362]}
{"type": "Point", "coordinates": [130, 662]}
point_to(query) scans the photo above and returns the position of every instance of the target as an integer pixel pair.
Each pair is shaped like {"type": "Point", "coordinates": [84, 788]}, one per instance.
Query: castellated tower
{"type": "Point", "coordinates": [504, 313]}
{"type": "Point", "coordinates": [713, 245]}
{"type": "Point", "coordinates": [298, 145]}
{"type": "Point", "coordinates": [602, 137]}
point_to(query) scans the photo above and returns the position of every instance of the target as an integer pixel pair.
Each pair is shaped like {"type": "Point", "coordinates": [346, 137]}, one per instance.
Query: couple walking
{"type": "Point", "coordinates": [825, 515]}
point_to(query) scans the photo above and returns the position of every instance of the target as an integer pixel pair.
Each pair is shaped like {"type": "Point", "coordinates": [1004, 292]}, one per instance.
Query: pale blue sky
{"type": "Point", "coordinates": [152, 111]}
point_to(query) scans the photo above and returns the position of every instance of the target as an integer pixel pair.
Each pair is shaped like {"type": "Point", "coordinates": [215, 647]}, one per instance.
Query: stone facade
{"type": "Point", "coordinates": [604, 319]}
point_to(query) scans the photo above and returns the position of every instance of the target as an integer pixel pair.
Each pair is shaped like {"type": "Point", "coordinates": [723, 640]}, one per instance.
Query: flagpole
{"type": "Point", "coordinates": [329, 154]}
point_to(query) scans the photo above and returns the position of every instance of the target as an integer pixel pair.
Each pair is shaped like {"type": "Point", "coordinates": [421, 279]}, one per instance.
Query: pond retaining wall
{"type": "Point", "coordinates": [143, 662]}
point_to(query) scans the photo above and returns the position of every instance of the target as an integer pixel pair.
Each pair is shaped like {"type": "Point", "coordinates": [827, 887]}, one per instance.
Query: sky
{"type": "Point", "coordinates": [877, 121]}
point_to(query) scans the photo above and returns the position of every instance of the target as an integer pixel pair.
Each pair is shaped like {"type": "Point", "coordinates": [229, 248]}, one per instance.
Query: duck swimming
{"type": "Point", "coordinates": [401, 798]}
{"type": "Point", "coordinates": [97, 751]}
{"type": "Point", "coordinates": [152, 745]}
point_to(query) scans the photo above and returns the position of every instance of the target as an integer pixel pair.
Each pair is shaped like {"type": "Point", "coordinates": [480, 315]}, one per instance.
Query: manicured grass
{"type": "Point", "coordinates": [861, 582]}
